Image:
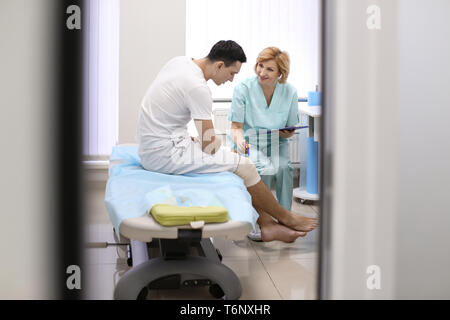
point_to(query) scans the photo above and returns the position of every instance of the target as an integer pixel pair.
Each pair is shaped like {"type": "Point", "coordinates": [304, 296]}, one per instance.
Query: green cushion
{"type": "Point", "coordinates": [170, 215]}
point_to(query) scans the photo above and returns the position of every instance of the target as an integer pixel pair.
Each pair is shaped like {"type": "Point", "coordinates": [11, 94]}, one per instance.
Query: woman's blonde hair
{"type": "Point", "coordinates": [280, 57]}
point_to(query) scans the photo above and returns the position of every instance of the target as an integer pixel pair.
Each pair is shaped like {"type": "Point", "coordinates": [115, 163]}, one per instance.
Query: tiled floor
{"type": "Point", "coordinates": [269, 271]}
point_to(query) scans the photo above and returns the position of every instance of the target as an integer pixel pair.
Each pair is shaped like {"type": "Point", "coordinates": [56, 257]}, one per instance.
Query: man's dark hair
{"type": "Point", "coordinates": [227, 51]}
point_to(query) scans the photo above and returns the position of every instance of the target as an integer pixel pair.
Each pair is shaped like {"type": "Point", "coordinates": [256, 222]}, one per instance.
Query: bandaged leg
{"type": "Point", "coordinates": [247, 171]}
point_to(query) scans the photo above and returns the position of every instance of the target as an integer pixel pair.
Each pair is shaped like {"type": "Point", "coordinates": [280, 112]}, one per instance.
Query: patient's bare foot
{"type": "Point", "coordinates": [300, 223]}
{"type": "Point", "coordinates": [271, 231]}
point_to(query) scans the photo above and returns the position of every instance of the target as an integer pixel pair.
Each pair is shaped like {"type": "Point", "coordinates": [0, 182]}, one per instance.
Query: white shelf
{"type": "Point", "coordinates": [312, 111]}
{"type": "Point", "coordinates": [96, 164]}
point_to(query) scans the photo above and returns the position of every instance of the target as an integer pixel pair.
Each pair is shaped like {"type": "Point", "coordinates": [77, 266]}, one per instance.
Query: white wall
{"type": "Point", "coordinates": [27, 63]}
{"type": "Point", "coordinates": [291, 25]}
{"type": "Point", "coordinates": [386, 151]}
{"type": "Point", "coordinates": [423, 211]}
{"type": "Point", "coordinates": [359, 152]}
{"type": "Point", "coordinates": [151, 33]}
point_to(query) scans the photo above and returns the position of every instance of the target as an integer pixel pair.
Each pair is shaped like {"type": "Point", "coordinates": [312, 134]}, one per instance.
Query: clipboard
{"type": "Point", "coordinates": [289, 128]}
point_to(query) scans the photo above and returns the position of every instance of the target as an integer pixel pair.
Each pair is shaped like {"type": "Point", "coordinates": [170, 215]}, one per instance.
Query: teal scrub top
{"type": "Point", "coordinates": [249, 106]}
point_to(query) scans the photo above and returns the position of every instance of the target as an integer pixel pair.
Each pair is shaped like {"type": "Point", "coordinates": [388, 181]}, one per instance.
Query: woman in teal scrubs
{"type": "Point", "coordinates": [261, 102]}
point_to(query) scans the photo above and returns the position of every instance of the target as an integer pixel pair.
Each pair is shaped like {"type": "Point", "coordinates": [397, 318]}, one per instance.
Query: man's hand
{"type": "Point", "coordinates": [206, 136]}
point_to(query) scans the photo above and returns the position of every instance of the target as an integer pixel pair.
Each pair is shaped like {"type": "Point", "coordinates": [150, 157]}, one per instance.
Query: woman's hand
{"type": "Point", "coordinates": [242, 146]}
{"type": "Point", "coordinates": [238, 137]}
{"type": "Point", "coordinates": [286, 133]}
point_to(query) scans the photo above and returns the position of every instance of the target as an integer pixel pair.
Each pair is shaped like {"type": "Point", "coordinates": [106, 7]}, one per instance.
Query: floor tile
{"type": "Point", "coordinates": [303, 209]}
{"type": "Point", "coordinates": [235, 249]}
{"type": "Point", "coordinates": [255, 281]}
{"type": "Point", "coordinates": [102, 279]}
{"type": "Point", "coordinates": [110, 255]}
{"type": "Point", "coordinates": [295, 279]}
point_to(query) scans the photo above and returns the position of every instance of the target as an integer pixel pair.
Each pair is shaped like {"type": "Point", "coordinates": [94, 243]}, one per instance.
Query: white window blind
{"type": "Point", "coordinates": [291, 25]}
{"type": "Point", "coordinates": [101, 82]}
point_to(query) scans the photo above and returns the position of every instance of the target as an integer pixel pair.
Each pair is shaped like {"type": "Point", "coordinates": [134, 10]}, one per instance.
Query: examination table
{"type": "Point", "coordinates": [179, 256]}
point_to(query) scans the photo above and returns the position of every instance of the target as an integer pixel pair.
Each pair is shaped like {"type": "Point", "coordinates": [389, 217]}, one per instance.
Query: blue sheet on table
{"type": "Point", "coordinates": [131, 190]}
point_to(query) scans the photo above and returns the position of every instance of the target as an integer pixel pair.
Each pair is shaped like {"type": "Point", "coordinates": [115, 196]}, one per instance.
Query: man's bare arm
{"type": "Point", "coordinates": [207, 136]}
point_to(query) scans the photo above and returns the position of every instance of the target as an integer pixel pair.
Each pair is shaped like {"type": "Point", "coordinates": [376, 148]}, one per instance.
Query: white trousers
{"type": "Point", "coordinates": [181, 155]}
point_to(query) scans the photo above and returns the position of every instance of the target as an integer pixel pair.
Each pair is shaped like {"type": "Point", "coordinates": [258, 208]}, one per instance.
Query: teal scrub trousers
{"type": "Point", "coordinates": [275, 167]}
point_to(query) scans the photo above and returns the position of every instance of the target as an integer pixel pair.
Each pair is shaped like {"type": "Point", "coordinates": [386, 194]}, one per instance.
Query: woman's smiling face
{"type": "Point", "coordinates": [267, 72]}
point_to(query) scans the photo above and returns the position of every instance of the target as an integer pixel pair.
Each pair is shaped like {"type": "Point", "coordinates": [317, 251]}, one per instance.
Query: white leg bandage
{"type": "Point", "coordinates": [247, 171]}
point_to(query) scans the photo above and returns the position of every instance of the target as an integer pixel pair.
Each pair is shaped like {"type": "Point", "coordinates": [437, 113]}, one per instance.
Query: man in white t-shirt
{"type": "Point", "coordinates": [179, 94]}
